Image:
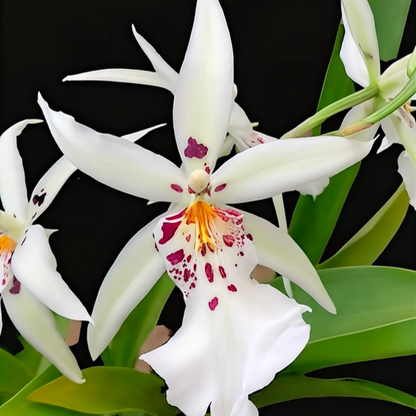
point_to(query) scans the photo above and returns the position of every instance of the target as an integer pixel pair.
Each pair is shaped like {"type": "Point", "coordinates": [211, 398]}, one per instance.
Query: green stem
{"type": "Point", "coordinates": [334, 108]}
{"type": "Point", "coordinates": [404, 95]}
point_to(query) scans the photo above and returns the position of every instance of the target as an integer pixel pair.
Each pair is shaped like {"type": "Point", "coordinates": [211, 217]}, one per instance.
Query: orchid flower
{"type": "Point", "coordinates": [360, 55]}
{"type": "Point", "coordinates": [236, 333]}
{"type": "Point", "coordinates": [30, 286]}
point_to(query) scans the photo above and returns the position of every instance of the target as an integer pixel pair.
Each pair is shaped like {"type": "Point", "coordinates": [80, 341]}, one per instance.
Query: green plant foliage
{"type": "Point", "coordinates": [370, 323]}
{"type": "Point", "coordinates": [14, 375]}
{"type": "Point", "coordinates": [18, 405]}
{"type": "Point", "coordinates": [371, 240]}
{"type": "Point", "coordinates": [390, 19]}
{"type": "Point", "coordinates": [108, 390]}
{"type": "Point", "coordinates": [124, 348]}
{"type": "Point", "coordinates": [286, 388]}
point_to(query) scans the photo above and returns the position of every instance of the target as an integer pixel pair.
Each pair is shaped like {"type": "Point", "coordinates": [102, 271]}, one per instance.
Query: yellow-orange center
{"type": "Point", "coordinates": [202, 214]}
{"type": "Point", "coordinates": [7, 245]}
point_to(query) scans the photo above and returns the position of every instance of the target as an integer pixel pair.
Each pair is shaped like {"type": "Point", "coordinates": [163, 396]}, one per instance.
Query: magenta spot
{"type": "Point", "coordinates": [222, 272]}
{"type": "Point", "coordinates": [188, 238]}
{"type": "Point", "coordinates": [176, 188]}
{"type": "Point", "coordinates": [228, 240]}
{"type": "Point", "coordinates": [168, 230]}
{"type": "Point", "coordinates": [190, 190]}
{"type": "Point", "coordinates": [195, 149]}
{"type": "Point", "coordinates": [176, 257]}
{"type": "Point", "coordinates": [192, 286]}
{"type": "Point", "coordinates": [232, 288]}
{"type": "Point", "coordinates": [39, 199]}
{"type": "Point", "coordinates": [203, 249]}
{"type": "Point", "coordinates": [186, 275]}
{"type": "Point", "coordinates": [233, 212]}
{"type": "Point", "coordinates": [176, 216]}
{"type": "Point", "coordinates": [188, 259]}
{"type": "Point", "coordinates": [207, 170]}
{"type": "Point", "coordinates": [3, 282]}
{"type": "Point", "coordinates": [241, 253]}
{"type": "Point", "coordinates": [213, 303]}
{"type": "Point", "coordinates": [16, 287]}
{"type": "Point", "coordinates": [260, 140]}
{"type": "Point", "coordinates": [209, 272]}
{"type": "Point", "coordinates": [194, 267]}
{"type": "Point", "coordinates": [250, 237]}
{"type": "Point", "coordinates": [220, 187]}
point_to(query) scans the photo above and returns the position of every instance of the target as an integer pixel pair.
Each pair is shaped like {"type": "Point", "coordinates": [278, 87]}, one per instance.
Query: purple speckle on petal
{"type": "Point", "coordinates": [176, 257]}
{"type": "Point", "coordinates": [213, 303]}
{"type": "Point", "coordinates": [220, 187]}
{"type": "Point", "coordinates": [176, 188]}
{"type": "Point", "coordinates": [168, 230]}
{"type": "Point", "coordinates": [15, 289]}
{"type": "Point", "coordinates": [209, 272]}
{"type": "Point", "coordinates": [195, 149]}
{"type": "Point", "coordinates": [39, 199]}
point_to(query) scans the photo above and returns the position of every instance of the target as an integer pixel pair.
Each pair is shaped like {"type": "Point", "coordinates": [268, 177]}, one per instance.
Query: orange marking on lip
{"type": "Point", "coordinates": [6, 244]}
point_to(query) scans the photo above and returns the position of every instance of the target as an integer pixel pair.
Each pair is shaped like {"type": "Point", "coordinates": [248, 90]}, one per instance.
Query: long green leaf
{"type": "Point", "coordinates": [371, 240]}
{"type": "Point", "coordinates": [390, 19]}
{"type": "Point", "coordinates": [314, 221]}
{"type": "Point", "coordinates": [13, 375]}
{"type": "Point", "coordinates": [286, 388]}
{"type": "Point", "coordinates": [124, 348]}
{"type": "Point", "coordinates": [370, 322]}
{"type": "Point", "coordinates": [108, 390]}
{"type": "Point", "coordinates": [18, 405]}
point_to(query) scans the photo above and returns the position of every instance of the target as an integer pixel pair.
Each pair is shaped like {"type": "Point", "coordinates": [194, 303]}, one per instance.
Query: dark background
{"type": "Point", "coordinates": [281, 51]}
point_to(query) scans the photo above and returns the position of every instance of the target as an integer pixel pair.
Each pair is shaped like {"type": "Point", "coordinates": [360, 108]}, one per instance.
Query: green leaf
{"type": "Point", "coordinates": [286, 388]}
{"type": "Point", "coordinates": [390, 19]}
{"type": "Point", "coordinates": [19, 406]}
{"type": "Point", "coordinates": [124, 348]}
{"type": "Point", "coordinates": [30, 357]}
{"type": "Point", "coordinates": [371, 240]}
{"type": "Point", "coordinates": [314, 221]}
{"type": "Point", "coordinates": [108, 390]}
{"type": "Point", "coordinates": [370, 322]}
{"type": "Point", "coordinates": [14, 375]}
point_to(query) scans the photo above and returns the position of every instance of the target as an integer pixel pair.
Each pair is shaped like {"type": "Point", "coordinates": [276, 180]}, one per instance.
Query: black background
{"type": "Point", "coordinates": [281, 50]}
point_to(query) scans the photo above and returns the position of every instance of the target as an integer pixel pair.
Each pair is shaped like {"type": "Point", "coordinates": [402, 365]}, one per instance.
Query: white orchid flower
{"type": "Point", "coordinates": [236, 334]}
{"type": "Point", "coordinates": [360, 55]}
{"type": "Point", "coordinates": [241, 132]}
{"type": "Point", "coordinates": [30, 286]}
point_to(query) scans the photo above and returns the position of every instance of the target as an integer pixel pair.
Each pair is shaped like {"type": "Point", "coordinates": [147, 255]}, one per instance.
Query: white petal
{"type": "Point", "coordinates": [278, 251]}
{"type": "Point", "coordinates": [115, 162]}
{"type": "Point", "coordinates": [204, 95]}
{"type": "Point", "coordinates": [34, 265]}
{"type": "Point", "coordinates": [164, 77]}
{"type": "Point", "coordinates": [37, 325]}
{"type": "Point", "coordinates": [407, 170]}
{"type": "Point", "coordinates": [239, 120]}
{"type": "Point", "coordinates": [391, 136]}
{"type": "Point", "coordinates": [48, 187]}
{"type": "Point", "coordinates": [133, 137]}
{"type": "Point", "coordinates": [284, 165]}
{"type": "Point", "coordinates": [314, 188]}
{"type": "Point", "coordinates": [12, 175]}
{"type": "Point", "coordinates": [394, 78]}
{"type": "Point", "coordinates": [359, 51]}
{"type": "Point", "coordinates": [133, 274]}
{"type": "Point", "coordinates": [236, 334]}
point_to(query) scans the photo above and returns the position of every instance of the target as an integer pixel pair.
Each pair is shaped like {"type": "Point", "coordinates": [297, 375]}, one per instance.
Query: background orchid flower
{"type": "Point", "coordinates": [205, 245]}
{"type": "Point", "coordinates": [360, 56]}
{"type": "Point", "coordinates": [30, 284]}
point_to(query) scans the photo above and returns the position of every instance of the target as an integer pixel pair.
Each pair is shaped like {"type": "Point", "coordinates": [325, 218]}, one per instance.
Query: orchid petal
{"type": "Point", "coordinates": [360, 45]}
{"type": "Point", "coordinates": [164, 77]}
{"type": "Point", "coordinates": [134, 137]}
{"type": "Point", "coordinates": [115, 162]}
{"type": "Point", "coordinates": [236, 334]}
{"type": "Point", "coordinates": [133, 274]}
{"type": "Point", "coordinates": [204, 94]}
{"type": "Point", "coordinates": [34, 266]}
{"type": "Point", "coordinates": [314, 188]}
{"type": "Point", "coordinates": [391, 136]}
{"type": "Point", "coordinates": [12, 175]}
{"type": "Point", "coordinates": [278, 251]}
{"type": "Point", "coordinates": [407, 170]}
{"type": "Point", "coordinates": [37, 325]}
{"type": "Point", "coordinates": [284, 165]}
{"type": "Point", "coordinates": [48, 187]}
{"type": "Point", "coordinates": [394, 78]}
